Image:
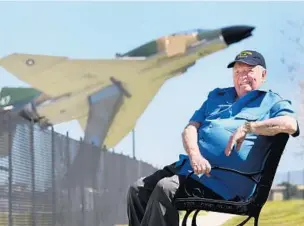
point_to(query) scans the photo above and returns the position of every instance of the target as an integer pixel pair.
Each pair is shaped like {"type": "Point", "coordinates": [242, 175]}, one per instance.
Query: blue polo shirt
{"type": "Point", "coordinates": [220, 115]}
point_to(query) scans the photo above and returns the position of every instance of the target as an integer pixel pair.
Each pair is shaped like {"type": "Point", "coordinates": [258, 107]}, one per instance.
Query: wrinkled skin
{"type": "Point", "coordinates": [247, 78]}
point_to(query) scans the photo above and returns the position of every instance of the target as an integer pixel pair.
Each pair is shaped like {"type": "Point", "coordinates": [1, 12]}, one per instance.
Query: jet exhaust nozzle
{"type": "Point", "coordinates": [235, 34]}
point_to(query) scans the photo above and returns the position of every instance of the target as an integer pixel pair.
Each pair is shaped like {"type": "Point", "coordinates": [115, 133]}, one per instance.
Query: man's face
{"type": "Point", "coordinates": [247, 78]}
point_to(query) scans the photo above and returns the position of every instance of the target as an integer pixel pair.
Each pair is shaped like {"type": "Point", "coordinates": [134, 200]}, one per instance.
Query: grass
{"type": "Point", "coordinates": [277, 213]}
{"type": "Point", "coordinates": [25, 218]}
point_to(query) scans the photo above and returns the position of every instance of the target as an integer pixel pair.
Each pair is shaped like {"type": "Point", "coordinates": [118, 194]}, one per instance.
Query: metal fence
{"type": "Point", "coordinates": [50, 179]}
{"type": "Point", "coordinates": [295, 177]}
{"type": "Point", "coordinates": [288, 185]}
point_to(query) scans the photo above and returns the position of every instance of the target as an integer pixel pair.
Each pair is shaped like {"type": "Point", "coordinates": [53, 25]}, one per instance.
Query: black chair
{"type": "Point", "coordinates": [188, 196]}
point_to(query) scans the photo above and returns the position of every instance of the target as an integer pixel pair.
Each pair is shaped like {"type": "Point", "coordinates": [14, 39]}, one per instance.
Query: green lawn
{"type": "Point", "coordinates": [277, 213]}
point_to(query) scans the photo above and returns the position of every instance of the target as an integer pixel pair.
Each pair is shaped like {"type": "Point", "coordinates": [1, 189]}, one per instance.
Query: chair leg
{"type": "Point", "coordinates": [256, 220]}
{"type": "Point", "coordinates": [184, 223]}
{"type": "Point", "coordinates": [194, 218]}
{"type": "Point", "coordinates": [245, 221]}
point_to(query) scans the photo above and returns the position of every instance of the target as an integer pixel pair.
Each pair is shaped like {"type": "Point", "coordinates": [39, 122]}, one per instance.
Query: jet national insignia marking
{"type": "Point", "coordinates": [30, 62]}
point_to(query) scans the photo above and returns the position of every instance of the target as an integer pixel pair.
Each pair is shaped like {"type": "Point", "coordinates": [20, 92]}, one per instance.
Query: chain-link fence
{"type": "Point", "coordinates": [50, 179]}
{"type": "Point", "coordinates": [288, 185]}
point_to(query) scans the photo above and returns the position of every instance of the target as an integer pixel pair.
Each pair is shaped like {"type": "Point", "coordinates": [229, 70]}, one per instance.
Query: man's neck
{"type": "Point", "coordinates": [237, 97]}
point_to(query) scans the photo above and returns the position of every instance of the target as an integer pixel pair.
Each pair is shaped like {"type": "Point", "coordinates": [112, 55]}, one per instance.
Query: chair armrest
{"type": "Point", "coordinates": [249, 175]}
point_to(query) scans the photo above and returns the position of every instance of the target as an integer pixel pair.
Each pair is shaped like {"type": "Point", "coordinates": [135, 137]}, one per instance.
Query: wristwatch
{"type": "Point", "coordinates": [248, 127]}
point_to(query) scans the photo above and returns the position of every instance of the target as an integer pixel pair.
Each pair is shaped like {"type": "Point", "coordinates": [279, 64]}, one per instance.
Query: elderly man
{"type": "Point", "coordinates": [230, 129]}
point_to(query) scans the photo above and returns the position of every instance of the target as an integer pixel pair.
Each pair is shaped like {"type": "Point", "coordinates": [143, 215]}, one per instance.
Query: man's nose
{"type": "Point", "coordinates": [243, 75]}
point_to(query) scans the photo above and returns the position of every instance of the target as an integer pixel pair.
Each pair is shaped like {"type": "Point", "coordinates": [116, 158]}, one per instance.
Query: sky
{"type": "Point", "coordinates": [101, 29]}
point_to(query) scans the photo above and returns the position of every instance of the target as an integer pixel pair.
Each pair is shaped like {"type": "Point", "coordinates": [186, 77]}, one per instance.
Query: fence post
{"type": "Point", "coordinates": [82, 191]}
{"type": "Point", "coordinates": [303, 185]}
{"type": "Point", "coordinates": [33, 172]}
{"type": "Point", "coordinates": [67, 153]}
{"type": "Point", "coordinates": [54, 213]}
{"type": "Point", "coordinates": [10, 172]}
{"type": "Point", "coordinates": [94, 185]}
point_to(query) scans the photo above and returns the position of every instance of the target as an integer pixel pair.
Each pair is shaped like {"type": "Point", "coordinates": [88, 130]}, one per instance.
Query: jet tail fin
{"type": "Point", "coordinates": [24, 65]}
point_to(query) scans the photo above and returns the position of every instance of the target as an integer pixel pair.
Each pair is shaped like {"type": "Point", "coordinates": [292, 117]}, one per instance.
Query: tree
{"type": "Point", "coordinates": [292, 58]}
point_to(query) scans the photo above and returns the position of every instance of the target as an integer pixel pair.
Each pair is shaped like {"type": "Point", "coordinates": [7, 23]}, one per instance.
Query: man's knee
{"type": "Point", "coordinates": [134, 188]}
{"type": "Point", "coordinates": [168, 185]}
{"type": "Point", "coordinates": [137, 184]}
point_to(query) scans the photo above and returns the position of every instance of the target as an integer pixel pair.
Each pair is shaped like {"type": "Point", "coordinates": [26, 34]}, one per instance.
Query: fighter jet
{"type": "Point", "coordinates": [107, 96]}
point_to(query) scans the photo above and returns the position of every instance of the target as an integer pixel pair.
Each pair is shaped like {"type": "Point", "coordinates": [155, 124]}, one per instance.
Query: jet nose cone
{"type": "Point", "coordinates": [235, 34]}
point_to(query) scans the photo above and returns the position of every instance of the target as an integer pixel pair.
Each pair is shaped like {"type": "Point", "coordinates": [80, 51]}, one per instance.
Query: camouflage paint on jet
{"type": "Point", "coordinates": [14, 95]}
{"type": "Point", "coordinates": [172, 44]}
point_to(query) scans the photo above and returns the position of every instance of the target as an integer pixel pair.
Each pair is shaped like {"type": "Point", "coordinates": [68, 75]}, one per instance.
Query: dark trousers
{"type": "Point", "coordinates": [149, 199]}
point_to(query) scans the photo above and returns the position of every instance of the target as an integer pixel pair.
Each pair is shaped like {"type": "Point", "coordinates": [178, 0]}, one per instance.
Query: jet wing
{"type": "Point", "coordinates": [72, 81]}
{"type": "Point", "coordinates": [56, 75]}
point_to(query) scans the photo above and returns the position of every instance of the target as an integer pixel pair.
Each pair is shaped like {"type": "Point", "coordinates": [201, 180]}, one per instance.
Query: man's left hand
{"type": "Point", "coordinates": [237, 139]}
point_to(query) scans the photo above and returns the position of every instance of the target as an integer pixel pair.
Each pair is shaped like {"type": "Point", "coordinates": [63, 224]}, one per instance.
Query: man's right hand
{"type": "Point", "coordinates": [199, 164]}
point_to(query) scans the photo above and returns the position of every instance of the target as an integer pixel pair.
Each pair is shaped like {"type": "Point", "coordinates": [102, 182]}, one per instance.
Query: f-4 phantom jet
{"type": "Point", "coordinates": [107, 96]}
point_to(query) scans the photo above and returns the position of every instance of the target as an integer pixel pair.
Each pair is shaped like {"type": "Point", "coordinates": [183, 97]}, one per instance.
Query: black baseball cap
{"type": "Point", "coordinates": [249, 57]}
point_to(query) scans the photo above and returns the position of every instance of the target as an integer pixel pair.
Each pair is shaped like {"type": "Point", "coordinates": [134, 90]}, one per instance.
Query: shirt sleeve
{"type": "Point", "coordinates": [283, 108]}
{"type": "Point", "coordinates": [199, 114]}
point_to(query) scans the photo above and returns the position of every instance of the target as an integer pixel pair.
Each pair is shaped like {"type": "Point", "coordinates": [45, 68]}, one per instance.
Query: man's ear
{"type": "Point", "coordinates": [264, 75]}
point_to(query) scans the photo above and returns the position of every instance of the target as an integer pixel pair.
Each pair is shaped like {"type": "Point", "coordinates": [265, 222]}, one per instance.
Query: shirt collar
{"type": "Point", "coordinates": [230, 93]}
{"type": "Point", "coordinates": [264, 88]}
